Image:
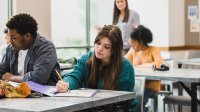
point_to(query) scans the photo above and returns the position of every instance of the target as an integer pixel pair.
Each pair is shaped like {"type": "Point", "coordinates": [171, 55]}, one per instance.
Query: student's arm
{"type": "Point", "coordinates": [126, 77]}
{"type": "Point", "coordinates": [77, 76]}
{"type": "Point", "coordinates": [11, 77]}
{"type": "Point", "coordinates": [145, 65]}
{"type": "Point", "coordinates": [157, 57]}
{"type": "Point", "coordinates": [5, 63]}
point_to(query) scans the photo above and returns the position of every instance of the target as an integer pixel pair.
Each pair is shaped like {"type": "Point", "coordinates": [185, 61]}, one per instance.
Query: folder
{"type": "Point", "coordinates": [51, 91]}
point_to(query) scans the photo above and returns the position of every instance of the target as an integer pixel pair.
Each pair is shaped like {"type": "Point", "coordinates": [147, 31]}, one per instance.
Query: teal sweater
{"type": "Point", "coordinates": [78, 78]}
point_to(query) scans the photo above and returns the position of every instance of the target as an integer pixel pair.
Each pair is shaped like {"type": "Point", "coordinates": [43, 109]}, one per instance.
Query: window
{"type": "Point", "coordinates": [68, 27]}
{"type": "Point", "coordinates": [98, 10]}
{"type": "Point", "coordinates": [4, 11]}
{"type": "Point", "coordinates": [73, 24]}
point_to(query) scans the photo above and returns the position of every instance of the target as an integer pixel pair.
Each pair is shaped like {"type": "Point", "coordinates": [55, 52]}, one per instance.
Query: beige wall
{"type": "Point", "coordinates": [40, 10]}
{"type": "Point", "coordinates": [176, 23]}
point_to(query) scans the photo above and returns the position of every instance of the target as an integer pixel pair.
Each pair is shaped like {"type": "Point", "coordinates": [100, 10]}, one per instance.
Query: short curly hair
{"type": "Point", "coordinates": [142, 35]}
{"type": "Point", "coordinates": [23, 23]}
{"type": "Point", "coordinates": [5, 31]}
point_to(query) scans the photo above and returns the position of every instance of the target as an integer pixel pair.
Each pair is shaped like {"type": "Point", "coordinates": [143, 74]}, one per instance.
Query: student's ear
{"type": "Point", "coordinates": [27, 36]}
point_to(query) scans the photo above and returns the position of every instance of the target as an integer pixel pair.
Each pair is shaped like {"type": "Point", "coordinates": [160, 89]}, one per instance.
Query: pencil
{"type": "Point", "coordinates": [59, 75]}
{"type": "Point", "coordinates": [93, 94]}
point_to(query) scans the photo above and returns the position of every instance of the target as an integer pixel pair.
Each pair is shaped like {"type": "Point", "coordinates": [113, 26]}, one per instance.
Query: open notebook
{"type": "Point", "coordinates": [51, 91]}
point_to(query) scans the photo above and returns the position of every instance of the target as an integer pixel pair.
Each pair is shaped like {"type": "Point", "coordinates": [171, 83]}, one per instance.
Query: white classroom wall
{"type": "Point", "coordinates": [164, 17]}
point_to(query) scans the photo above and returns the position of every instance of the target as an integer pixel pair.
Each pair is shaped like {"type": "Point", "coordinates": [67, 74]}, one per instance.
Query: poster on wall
{"type": "Point", "coordinates": [192, 12]}
{"type": "Point", "coordinates": [194, 25]}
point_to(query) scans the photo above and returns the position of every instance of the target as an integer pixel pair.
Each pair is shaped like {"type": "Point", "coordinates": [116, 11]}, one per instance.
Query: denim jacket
{"type": "Point", "coordinates": [40, 62]}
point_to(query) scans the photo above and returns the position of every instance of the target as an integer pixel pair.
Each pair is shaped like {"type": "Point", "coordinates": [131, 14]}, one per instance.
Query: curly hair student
{"type": "Point", "coordinates": [145, 56]}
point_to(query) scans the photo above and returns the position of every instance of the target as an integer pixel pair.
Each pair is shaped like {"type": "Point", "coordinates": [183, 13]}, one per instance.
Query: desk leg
{"type": "Point", "coordinates": [179, 65]}
{"type": "Point", "coordinates": [194, 97]}
{"type": "Point", "coordinates": [180, 90]}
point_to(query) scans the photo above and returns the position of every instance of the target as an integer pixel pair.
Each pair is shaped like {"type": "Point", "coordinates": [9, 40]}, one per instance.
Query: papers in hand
{"type": "Point", "coordinates": [51, 91]}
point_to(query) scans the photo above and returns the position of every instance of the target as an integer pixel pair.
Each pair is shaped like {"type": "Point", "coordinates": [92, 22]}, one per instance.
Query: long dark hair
{"type": "Point", "coordinates": [116, 13]}
{"type": "Point", "coordinates": [110, 73]}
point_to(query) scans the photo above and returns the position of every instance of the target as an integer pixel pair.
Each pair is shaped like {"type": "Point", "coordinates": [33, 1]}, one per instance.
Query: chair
{"type": "Point", "coordinates": [177, 100]}
{"type": "Point", "coordinates": [139, 90]}
{"type": "Point", "coordinates": [193, 54]}
{"type": "Point", "coordinates": [166, 92]}
{"type": "Point", "coordinates": [67, 66]}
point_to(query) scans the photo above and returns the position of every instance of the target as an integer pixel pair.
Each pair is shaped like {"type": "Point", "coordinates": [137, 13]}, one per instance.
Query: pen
{"type": "Point", "coordinates": [93, 94]}
{"type": "Point", "coordinates": [58, 75]}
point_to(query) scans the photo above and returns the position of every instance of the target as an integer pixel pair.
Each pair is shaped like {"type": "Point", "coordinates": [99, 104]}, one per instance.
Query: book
{"type": "Point", "coordinates": [51, 91]}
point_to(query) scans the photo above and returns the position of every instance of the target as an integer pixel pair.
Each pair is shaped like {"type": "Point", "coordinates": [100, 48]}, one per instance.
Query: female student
{"type": "Point", "coordinates": [105, 68]}
{"type": "Point", "coordinates": [145, 56]}
{"type": "Point", "coordinates": [127, 20]}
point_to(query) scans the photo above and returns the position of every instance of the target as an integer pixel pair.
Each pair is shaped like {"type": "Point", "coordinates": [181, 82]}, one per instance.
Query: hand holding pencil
{"type": "Point", "coordinates": [62, 86]}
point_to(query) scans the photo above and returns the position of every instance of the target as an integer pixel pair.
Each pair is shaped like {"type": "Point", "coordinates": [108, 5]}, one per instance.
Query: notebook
{"type": "Point", "coordinates": [51, 91]}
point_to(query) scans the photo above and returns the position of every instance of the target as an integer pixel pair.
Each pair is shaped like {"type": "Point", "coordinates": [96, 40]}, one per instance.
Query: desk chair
{"type": "Point", "coordinates": [177, 100]}
{"type": "Point", "coordinates": [139, 90]}
{"type": "Point", "coordinates": [68, 65]}
{"type": "Point", "coordinates": [193, 54]}
{"type": "Point", "coordinates": [166, 92]}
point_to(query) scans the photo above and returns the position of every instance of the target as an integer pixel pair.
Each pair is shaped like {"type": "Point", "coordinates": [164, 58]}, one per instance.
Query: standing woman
{"type": "Point", "coordinates": [127, 20]}
{"type": "Point", "coordinates": [105, 68]}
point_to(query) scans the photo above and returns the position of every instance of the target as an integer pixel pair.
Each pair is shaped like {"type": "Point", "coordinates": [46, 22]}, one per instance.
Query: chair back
{"type": "Point", "coordinates": [139, 90]}
{"type": "Point", "coordinates": [193, 54]}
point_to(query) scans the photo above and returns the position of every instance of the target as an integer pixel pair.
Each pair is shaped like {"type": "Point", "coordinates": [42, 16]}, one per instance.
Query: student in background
{"type": "Point", "coordinates": [5, 44]}
{"type": "Point", "coordinates": [145, 56]}
{"type": "Point", "coordinates": [105, 68]}
{"type": "Point", "coordinates": [38, 60]}
{"type": "Point", "coordinates": [127, 20]}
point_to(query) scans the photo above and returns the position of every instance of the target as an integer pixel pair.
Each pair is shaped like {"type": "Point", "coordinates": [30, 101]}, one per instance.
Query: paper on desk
{"type": "Point", "coordinates": [78, 93]}
{"type": "Point", "coordinates": [50, 90]}
{"type": "Point", "coordinates": [14, 84]}
{"type": "Point", "coordinates": [47, 90]}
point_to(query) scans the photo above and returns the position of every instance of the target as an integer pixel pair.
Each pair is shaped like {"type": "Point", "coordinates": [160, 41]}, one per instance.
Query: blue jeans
{"type": "Point", "coordinates": [148, 93]}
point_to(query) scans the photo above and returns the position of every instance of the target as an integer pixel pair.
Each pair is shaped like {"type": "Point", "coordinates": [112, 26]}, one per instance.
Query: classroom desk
{"type": "Point", "coordinates": [181, 75]}
{"type": "Point", "coordinates": [63, 104]}
{"type": "Point", "coordinates": [194, 61]}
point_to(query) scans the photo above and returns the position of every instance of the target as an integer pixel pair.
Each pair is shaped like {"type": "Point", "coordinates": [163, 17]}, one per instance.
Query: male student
{"type": "Point", "coordinates": [30, 57]}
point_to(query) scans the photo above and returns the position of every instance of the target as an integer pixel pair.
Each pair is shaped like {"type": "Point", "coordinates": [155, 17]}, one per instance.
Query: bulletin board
{"type": "Point", "coordinates": [192, 23]}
